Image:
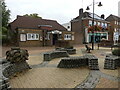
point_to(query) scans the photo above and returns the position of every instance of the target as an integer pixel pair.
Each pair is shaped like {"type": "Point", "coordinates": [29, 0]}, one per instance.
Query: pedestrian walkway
{"type": "Point", "coordinates": [47, 75]}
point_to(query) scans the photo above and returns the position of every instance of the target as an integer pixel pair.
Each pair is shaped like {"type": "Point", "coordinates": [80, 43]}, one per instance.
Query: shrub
{"type": "Point", "coordinates": [116, 52]}
{"type": "Point", "coordinates": [4, 39]}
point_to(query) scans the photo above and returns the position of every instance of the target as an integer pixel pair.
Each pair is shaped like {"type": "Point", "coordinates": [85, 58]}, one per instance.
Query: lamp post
{"type": "Point", "coordinates": [93, 20]}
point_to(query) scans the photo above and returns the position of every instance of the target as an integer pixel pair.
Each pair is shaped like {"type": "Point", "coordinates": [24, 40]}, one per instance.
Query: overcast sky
{"type": "Point", "coordinates": [60, 10]}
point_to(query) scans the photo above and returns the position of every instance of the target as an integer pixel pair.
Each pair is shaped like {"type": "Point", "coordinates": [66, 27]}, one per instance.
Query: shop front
{"type": "Point", "coordinates": [97, 37]}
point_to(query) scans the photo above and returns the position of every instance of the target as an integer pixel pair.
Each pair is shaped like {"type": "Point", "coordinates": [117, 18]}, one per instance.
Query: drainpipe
{"type": "Point", "coordinates": [43, 37]}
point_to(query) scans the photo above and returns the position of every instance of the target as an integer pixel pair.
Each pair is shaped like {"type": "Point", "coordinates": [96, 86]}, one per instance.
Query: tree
{"type": "Point", "coordinates": [5, 19]}
{"type": "Point", "coordinates": [5, 14]}
{"type": "Point", "coordinates": [33, 15]}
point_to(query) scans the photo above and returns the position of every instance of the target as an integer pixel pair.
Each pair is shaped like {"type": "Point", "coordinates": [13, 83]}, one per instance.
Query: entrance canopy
{"type": "Point", "coordinates": [55, 32]}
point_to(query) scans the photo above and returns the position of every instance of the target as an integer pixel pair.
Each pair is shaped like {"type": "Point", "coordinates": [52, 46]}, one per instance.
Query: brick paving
{"type": "Point", "coordinates": [106, 83]}
{"type": "Point", "coordinates": [52, 77]}
{"type": "Point", "coordinates": [49, 78]}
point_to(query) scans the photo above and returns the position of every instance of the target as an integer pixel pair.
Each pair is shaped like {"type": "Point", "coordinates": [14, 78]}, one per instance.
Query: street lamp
{"type": "Point", "coordinates": [99, 4]}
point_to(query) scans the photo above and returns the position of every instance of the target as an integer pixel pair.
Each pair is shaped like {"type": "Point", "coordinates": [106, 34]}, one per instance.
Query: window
{"type": "Point", "coordinates": [32, 36]}
{"type": "Point", "coordinates": [72, 37]}
{"type": "Point", "coordinates": [90, 23]}
{"type": "Point", "coordinates": [22, 37]}
{"type": "Point", "coordinates": [68, 27]}
{"type": "Point", "coordinates": [67, 37]}
{"type": "Point", "coordinates": [95, 22]}
{"type": "Point", "coordinates": [48, 36]}
{"type": "Point", "coordinates": [115, 22]}
{"type": "Point", "coordinates": [102, 24]}
{"type": "Point", "coordinates": [115, 30]}
{"type": "Point", "coordinates": [98, 23]}
{"type": "Point", "coordinates": [105, 25]}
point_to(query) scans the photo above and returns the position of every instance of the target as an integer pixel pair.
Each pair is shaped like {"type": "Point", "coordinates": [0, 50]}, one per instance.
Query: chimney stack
{"type": "Point", "coordinates": [80, 11]}
{"type": "Point", "coordinates": [103, 16]}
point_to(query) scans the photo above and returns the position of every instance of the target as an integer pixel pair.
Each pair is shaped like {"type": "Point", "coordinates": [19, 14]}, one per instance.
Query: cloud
{"type": "Point", "coordinates": [61, 10]}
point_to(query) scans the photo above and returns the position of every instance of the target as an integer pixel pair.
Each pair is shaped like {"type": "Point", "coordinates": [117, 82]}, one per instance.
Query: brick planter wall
{"type": "Point", "coordinates": [55, 54]}
{"type": "Point", "coordinates": [111, 62]}
{"type": "Point", "coordinates": [72, 62]}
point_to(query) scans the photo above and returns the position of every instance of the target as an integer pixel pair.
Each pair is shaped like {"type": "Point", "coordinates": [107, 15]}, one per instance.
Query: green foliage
{"type": "Point", "coordinates": [4, 39]}
{"type": "Point", "coordinates": [5, 20]}
{"type": "Point", "coordinates": [33, 15]}
{"type": "Point", "coordinates": [116, 52]}
{"type": "Point", "coordinates": [0, 33]}
{"type": "Point", "coordinates": [5, 14]}
{"type": "Point", "coordinates": [4, 31]}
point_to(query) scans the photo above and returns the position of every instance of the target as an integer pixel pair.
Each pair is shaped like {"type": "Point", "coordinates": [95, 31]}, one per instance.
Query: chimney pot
{"type": "Point", "coordinates": [103, 16]}
{"type": "Point", "coordinates": [80, 11]}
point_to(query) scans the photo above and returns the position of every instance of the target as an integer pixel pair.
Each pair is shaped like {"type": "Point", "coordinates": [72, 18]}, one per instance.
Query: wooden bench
{"type": "Point", "coordinates": [88, 48]}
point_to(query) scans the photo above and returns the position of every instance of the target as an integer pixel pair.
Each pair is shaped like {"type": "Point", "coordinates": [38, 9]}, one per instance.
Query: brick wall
{"type": "Point", "coordinates": [30, 42]}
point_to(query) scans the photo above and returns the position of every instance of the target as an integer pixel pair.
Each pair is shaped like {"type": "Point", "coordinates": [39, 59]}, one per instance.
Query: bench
{"type": "Point", "coordinates": [88, 48]}
{"type": "Point", "coordinates": [55, 54]}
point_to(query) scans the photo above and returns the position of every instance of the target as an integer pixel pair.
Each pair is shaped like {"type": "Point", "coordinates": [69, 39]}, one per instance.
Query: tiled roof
{"type": "Point", "coordinates": [89, 15]}
{"type": "Point", "coordinates": [31, 22]}
{"type": "Point", "coordinates": [113, 18]}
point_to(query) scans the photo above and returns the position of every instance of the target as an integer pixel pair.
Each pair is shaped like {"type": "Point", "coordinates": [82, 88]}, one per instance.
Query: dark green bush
{"type": "Point", "coordinates": [4, 39]}
{"type": "Point", "coordinates": [116, 52]}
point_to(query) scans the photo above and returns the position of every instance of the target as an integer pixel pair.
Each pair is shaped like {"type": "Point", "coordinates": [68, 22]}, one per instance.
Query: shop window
{"type": "Point", "coordinates": [32, 36]}
{"type": "Point", "coordinates": [67, 37]}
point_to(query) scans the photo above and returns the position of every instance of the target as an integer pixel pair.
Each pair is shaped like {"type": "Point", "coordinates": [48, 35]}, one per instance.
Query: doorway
{"type": "Point", "coordinates": [55, 38]}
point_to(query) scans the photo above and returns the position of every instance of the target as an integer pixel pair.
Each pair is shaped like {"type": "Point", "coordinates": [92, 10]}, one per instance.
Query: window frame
{"type": "Point", "coordinates": [33, 36]}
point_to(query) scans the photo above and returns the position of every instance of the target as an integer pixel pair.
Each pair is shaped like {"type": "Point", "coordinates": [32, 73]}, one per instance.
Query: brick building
{"type": "Point", "coordinates": [82, 26]}
{"type": "Point", "coordinates": [114, 27]}
{"type": "Point", "coordinates": [29, 31]}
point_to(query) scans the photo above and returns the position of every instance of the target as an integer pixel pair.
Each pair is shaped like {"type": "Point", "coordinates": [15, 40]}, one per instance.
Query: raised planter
{"type": "Point", "coordinates": [112, 62]}
{"type": "Point", "coordinates": [55, 54]}
{"type": "Point", "coordinates": [15, 62]}
{"type": "Point", "coordinates": [69, 50]}
{"type": "Point", "coordinates": [72, 62]}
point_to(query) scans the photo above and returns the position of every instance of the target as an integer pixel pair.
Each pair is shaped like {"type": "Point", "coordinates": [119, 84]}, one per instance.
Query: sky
{"type": "Point", "coordinates": [60, 10]}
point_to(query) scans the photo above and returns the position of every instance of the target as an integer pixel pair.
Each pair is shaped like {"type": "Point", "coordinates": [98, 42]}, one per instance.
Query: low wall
{"type": "Point", "coordinates": [15, 62]}
{"type": "Point", "coordinates": [55, 54]}
{"type": "Point", "coordinates": [72, 62]}
{"type": "Point", "coordinates": [8, 70]}
{"type": "Point", "coordinates": [112, 62]}
{"type": "Point", "coordinates": [69, 51]}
